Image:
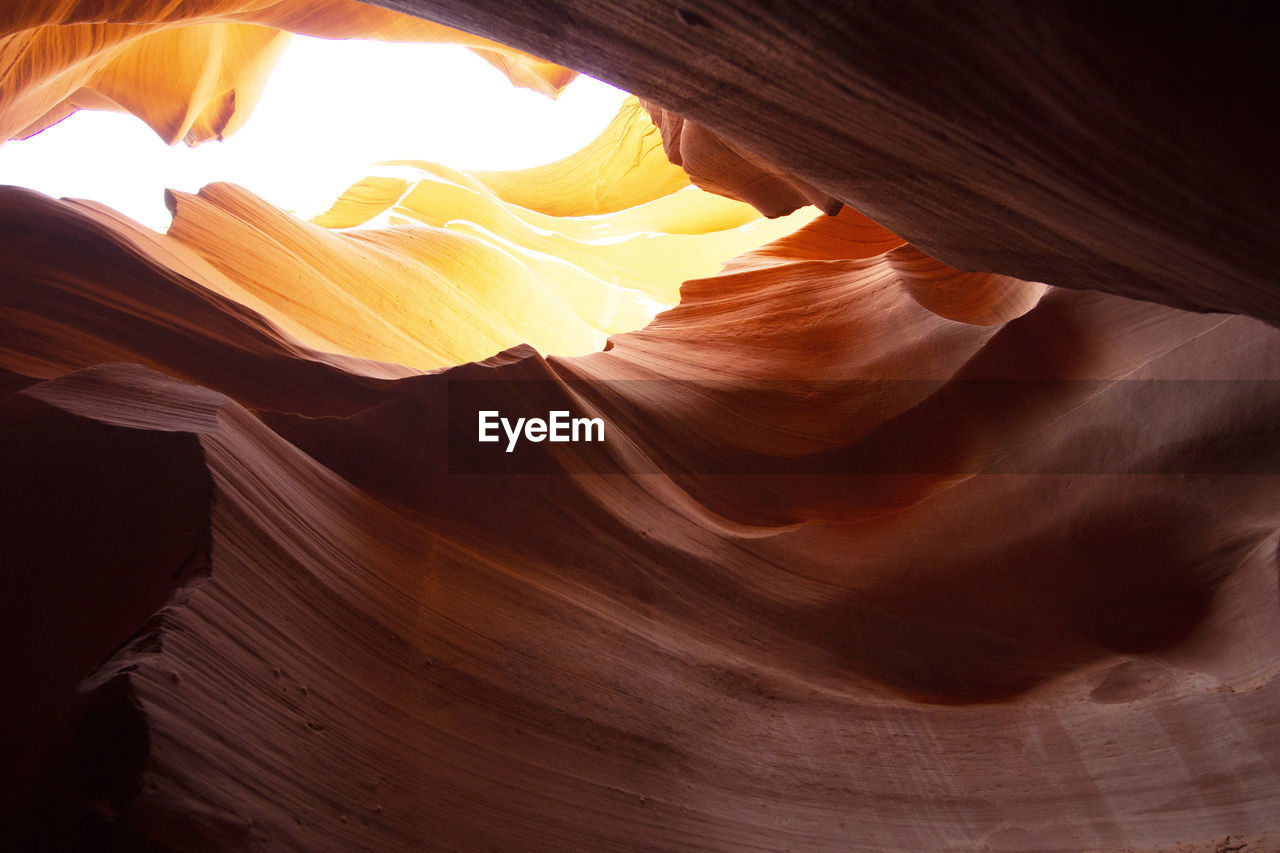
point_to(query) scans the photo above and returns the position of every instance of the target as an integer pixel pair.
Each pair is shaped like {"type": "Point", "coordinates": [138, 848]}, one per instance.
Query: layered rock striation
{"type": "Point", "coordinates": [879, 552]}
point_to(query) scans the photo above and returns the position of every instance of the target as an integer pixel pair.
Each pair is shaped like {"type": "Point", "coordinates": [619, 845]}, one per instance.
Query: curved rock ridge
{"type": "Point", "coordinates": [716, 164]}
{"type": "Point", "coordinates": [436, 268]}
{"type": "Point", "coordinates": [423, 296]}
{"type": "Point", "coordinates": [1101, 147]}
{"type": "Point", "coordinates": [622, 167]}
{"type": "Point", "coordinates": [877, 553]}
{"type": "Point", "coordinates": [846, 575]}
{"type": "Point", "coordinates": [192, 71]}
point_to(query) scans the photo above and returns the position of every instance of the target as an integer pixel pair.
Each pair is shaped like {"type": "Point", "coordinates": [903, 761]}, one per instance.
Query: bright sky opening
{"type": "Point", "coordinates": [329, 112]}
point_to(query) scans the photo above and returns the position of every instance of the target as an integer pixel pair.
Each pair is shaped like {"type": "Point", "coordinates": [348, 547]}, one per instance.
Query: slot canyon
{"type": "Point", "coordinates": [934, 350]}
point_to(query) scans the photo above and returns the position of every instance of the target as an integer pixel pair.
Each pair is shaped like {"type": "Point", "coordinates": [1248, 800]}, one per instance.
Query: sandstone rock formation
{"type": "Point", "coordinates": [1125, 148]}
{"type": "Point", "coordinates": [890, 545]}
{"type": "Point", "coordinates": [719, 165]}
{"type": "Point", "coordinates": [192, 71]}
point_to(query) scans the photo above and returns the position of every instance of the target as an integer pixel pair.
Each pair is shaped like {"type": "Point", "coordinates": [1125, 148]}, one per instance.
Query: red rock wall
{"type": "Point", "coordinates": [880, 555]}
{"type": "Point", "coordinates": [1124, 147]}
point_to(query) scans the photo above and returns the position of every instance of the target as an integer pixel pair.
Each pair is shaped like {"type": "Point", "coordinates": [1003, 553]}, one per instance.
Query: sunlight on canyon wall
{"type": "Point", "coordinates": [192, 71]}
{"type": "Point", "coordinates": [437, 268]}
{"type": "Point", "coordinates": [876, 553]}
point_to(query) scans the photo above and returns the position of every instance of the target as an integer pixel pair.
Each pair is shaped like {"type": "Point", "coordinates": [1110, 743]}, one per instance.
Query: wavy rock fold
{"type": "Point", "coordinates": [932, 522]}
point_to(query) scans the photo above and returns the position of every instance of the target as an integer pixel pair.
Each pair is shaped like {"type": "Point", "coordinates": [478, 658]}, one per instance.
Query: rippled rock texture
{"type": "Point", "coordinates": [880, 553]}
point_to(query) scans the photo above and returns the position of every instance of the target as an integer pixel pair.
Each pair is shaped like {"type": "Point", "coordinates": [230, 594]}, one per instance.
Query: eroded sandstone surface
{"type": "Point", "coordinates": [932, 522]}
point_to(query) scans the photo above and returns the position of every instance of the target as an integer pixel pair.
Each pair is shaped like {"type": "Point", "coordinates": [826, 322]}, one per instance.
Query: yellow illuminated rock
{"type": "Point", "coordinates": [192, 71]}
{"type": "Point", "coordinates": [437, 268]}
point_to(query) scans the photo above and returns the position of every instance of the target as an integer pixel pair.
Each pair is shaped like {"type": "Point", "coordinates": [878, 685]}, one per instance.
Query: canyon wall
{"type": "Point", "coordinates": [935, 522]}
